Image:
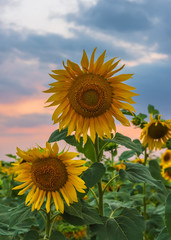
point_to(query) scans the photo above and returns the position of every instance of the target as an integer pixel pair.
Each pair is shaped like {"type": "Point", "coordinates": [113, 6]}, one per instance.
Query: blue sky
{"type": "Point", "coordinates": [36, 36]}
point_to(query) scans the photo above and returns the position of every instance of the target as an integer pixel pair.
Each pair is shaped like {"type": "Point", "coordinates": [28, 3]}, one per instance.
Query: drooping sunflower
{"type": "Point", "coordinates": [156, 133]}
{"type": "Point", "coordinates": [166, 157]}
{"type": "Point", "coordinates": [45, 172]}
{"type": "Point", "coordinates": [90, 97]}
{"type": "Point", "coordinates": [138, 160]}
{"type": "Point", "coordinates": [166, 172]}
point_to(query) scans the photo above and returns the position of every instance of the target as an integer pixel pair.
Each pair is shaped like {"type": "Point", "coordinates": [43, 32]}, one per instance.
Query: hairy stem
{"type": "Point", "coordinates": [98, 159]}
{"type": "Point", "coordinates": [144, 187]}
{"type": "Point", "coordinates": [108, 183]}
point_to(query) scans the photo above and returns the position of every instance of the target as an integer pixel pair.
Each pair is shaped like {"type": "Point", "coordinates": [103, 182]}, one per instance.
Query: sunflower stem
{"type": "Point", "coordinates": [94, 194]}
{"type": "Point", "coordinates": [108, 183]}
{"type": "Point", "coordinates": [144, 188]}
{"type": "Point", "coordinates": [48, 223]}
{"type": "Point", "coordinates": [53, 219]}
{"type": "Point", "coordinates": [98, 159]}
{"type": "Point", "coordinates": [41, 214]}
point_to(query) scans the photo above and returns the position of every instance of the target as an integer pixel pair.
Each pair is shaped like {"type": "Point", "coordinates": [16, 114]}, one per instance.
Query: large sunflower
{"type": "Point", "coordinates": [47, 173]}
{"type": "Point", "coordinates": [88, 98]}
{"type": "Point", "coordinates": [166, 172]}
{"type": "Point", "coordinates": [156, 133]}
{"type": "Point", "coordinates": [166, 157]}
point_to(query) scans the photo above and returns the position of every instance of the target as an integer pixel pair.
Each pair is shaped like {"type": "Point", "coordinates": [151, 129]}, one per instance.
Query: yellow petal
{"type": "Point", "coordinates": [25, 189]}
{"type": "Point", "coordinates": [48, 146]}
{"type": "Point", "coordinates": [71, 190]}
{"type": "Point", "coordinates": [74, 67]}
{"type": "Point", "coordinates": [99, 62]}
{"type": "Point", "coordinates": [42, 200]}
{"type": "Point", "coordinates": [85, 62]}
{"type": "Point", "coordinates": [55, 149]}
{"type": "Point", "coordinates": [30, 194]}
{"type": "Point", "coordinates": [55, 200]}
{"type": "Point", "coordinates": [91, 66]}
{"type": "Point", "coordinates": [39, 198]}
{"type": "Point", "coordinates": [60, 202]}
{"type": "Point", "coordinates": [48, 201]}
{"type": "Point", "coordinates": [120, 78]}
{"type": "Point", "coordinates": [21, 186]}
{"type": "Point", "coordinates": [65, 197]}
{"type": "Point", "coordinates": [92, 130]}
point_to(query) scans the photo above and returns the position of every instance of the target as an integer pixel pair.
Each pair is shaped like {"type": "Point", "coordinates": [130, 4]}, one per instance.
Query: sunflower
{"type": "Point", "coordinates": [166, 157]}
{"type": "Point", "coordinates": [45, 172]}
{"type": "Point", "coordinates": [119, 166]}
{"type": "Point", "coordinates": [138, 160]}
{"type": "Point", "coordinates": [90, 97]}
{"type": "Point", "coordinates": [156, 133]}
{"type": "Point", "coordinates": [166, 172]}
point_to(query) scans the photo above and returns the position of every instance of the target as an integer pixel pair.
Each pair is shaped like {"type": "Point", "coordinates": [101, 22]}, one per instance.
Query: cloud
{"type": "Point", "coordinates": [26, 120]}
{"type": "Point", "coordinates": [41, 17]}
{"type": "Point", "coordinates": [115, 15]}
{"type": "Point", "coordinates": [152, 82]}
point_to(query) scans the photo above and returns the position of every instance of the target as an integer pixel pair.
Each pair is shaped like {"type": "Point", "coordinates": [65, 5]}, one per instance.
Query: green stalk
{"type": "Point", "coordinates": [48, 222]}
{"type": "Point", "coordinates": [98, 159]}
{"type": "Point", "coordinates": [108, 183]}
{"type": "Point", "coordinates": [144, 188]}
{"type": "Point", "coordinates": [94, 194]}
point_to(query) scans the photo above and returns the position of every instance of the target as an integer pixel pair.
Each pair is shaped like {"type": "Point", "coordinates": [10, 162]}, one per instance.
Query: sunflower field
{"type": "Point", "coordinates": [95, 192]}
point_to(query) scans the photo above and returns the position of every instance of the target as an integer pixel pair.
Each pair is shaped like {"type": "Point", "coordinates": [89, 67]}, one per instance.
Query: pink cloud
{"type": "Point", "coordinates": [25, 138]}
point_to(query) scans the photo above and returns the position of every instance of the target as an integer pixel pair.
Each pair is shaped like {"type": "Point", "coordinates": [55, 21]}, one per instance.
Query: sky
{"type": "Point", "coordinates": [36, 36]}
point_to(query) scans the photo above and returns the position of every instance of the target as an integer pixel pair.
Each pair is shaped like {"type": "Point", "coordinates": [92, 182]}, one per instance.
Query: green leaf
{"type": "Point", "coordinates": [74, 209]}
{"type": "Point", "coordinates": [32, 234]}
{"type": "Point", "coordinates": [125, 141]}
{"type": "Point", "coordinates": [89, 150]}
{"type": "Point", "coordinates": [152, 110]}
{"type": "Point", "coordinates": [93, 174]}
{"type": "Point", "coordinates": [57, 136]}
{"type": "Point", "coordinates": [168, 213]}
{"type": "Point", "coordinates": [155, 169]}
{"type": "Point", "coordinates": [57, 235]}
{"type": "Point", "coordinates": [126, 112]}
{"type": "Point", "coordinates": [137, 173]}
{"type": "Point", "coordinates": [128, 225]}
{"type": "Point", "coordinates": [127, 154]}
{"type": "Point", "coordinates": [164, 235]}
{"type": "Point", "coordinates": [19, 214]}
{"type": "Point", "coordinates": [141, 116]}
{"type": "Point", "coordinates": [71, 140]}
{"type": "Point", "coordinates": [168, 143]}
{"type": "Point", "coordinates": [89, 216]}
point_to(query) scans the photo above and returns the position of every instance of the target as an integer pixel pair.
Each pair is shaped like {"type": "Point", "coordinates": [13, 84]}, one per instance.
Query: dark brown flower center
{"type": "Point", "coordinates": [157, 131]}
{"type": "Point", "coordinates": [90, 95]}
{"type": "Point", "coordinates": [49, 174]}
{"type": "Point", "coordinates": [167, 157]}
{"type": "Point", "coordinates": [168, 171]}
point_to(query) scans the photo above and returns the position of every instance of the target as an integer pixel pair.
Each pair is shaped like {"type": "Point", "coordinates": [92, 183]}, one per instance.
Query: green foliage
{"type": "Point", "coordinates": [57, 235]}
{"type": "Point", "coordinates": [127, 225]}
{"type": "Point", "coordinates": [126, 155]}
{"type": "Point", "coordinates": [168, 213]}
{"type": "Point", "coordinates": [138, 173]}
{"type": "Point", "coordinates": [88, 215]}
{"type": "Point", "coordinates": [163, 235]}
{"type": "Point", "coordinates": [93, 174]}
{"type": "Point", "coordinates": [126, 142]}
{"type": "Point", "coordinates": [168, 143]}
{"type": "Point", "coordinates": [152, 110]}
{"type": "Point", "coordinates": [32, 234]}
{"type": "Point", "coordinates": [155, 169]}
